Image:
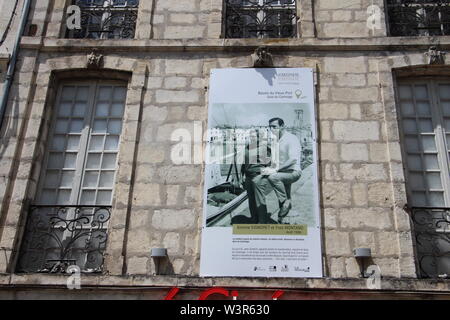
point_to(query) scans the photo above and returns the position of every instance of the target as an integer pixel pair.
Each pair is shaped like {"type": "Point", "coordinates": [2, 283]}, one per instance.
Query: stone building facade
{"type": "Point", "coordinates": [165, 66]}
{"type": "Point", "coordinates": [9, 24]}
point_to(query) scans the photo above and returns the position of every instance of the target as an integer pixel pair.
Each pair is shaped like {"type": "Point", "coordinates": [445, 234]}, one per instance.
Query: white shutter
{"type": "Point", "coordinates": [82, 153]}
{"type": "Point", "coordinates": [425, 141]}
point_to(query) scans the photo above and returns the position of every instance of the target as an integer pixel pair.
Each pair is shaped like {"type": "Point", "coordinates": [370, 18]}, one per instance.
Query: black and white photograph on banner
{"type": "Point", "coordinates": [261, 166]}
{"type": "Point", "coordinates": [261, 195]}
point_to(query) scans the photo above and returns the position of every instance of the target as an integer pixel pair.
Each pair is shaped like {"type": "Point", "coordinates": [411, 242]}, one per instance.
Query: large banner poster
{"type": "Point", "coordinates": [261, 199]}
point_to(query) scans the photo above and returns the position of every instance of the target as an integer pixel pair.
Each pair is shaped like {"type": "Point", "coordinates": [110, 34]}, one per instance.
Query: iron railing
{"type": "Point", "coordinates": [260, 18]}
{"type": "Point", "coordinates": [418, 17]}
{"type": "Point", "coordinates": [57, 237]}
{"type": "Point", "coordinates": [106, 19]}
{"type": "Point", "coordinates": [432, 238]}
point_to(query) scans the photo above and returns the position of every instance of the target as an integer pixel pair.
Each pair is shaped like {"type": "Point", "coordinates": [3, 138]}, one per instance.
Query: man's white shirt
{"type": "Point", "coordinates": [289, 148]}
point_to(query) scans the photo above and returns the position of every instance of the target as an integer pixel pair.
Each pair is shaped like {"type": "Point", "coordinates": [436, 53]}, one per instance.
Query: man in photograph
{"type": "Point", "coordinates": [288, 169]}
{"type": "Point", "coordinates": [257, 158]}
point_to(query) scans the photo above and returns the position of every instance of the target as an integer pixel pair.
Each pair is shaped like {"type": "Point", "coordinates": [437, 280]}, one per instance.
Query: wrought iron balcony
{"type": "Point", "coordinates": [418, 17]}
{"type": "Point", "coordinates": [432, 235]}
{"type": "Point", "coordinates": [260, 18]}
{"type": "Point", "coordinates": [57, 237]}
{"type": "Point", "coordinates": [106, 19]}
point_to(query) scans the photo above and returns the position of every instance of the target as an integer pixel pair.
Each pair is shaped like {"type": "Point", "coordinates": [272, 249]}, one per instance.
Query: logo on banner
{"type": "Point", "coordinates": [298, 269]}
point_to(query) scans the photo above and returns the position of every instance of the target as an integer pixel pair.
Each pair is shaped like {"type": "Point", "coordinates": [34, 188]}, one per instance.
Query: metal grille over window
{"type": "Point", "coordinates": [68, 225]}
{"type": "Point", "coordinates": [432, 233]}
{"type": "Point", "coordinates": [425, 123]}
{"type": "Point", "coordinates": [260, 19]}
{"type": "Point", "coordinates": [106, 19]}
{"type": "Point", "coordinates": [418, 17]}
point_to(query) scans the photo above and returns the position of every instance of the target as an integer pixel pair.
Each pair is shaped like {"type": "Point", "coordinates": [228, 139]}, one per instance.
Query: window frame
{"type": "Point", "coordinates": [108, 8]}
{"type": "Point", "coordinates": [85, 137]}
{"type": "Point", "coordinates": [421, 31]}
{"type": "Point", "coordinates": [52, 234]}
{"type": "Point", "coordinates": [437, 117]}
{"type": "Point", "coordinates": [261, 16]}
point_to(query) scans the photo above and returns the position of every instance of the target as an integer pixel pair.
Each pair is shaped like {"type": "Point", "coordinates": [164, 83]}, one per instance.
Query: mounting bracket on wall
{"type": "Point", "coordinates": [435, 56]}
{"type": "Point", "coordinates": [94, 60]}
{"type": "Point", "coordinates": [262, 58]}
{"type": "Point", "coordinates": [4, 61]}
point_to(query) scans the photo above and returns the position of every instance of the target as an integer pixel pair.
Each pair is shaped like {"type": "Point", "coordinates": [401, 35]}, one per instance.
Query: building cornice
{"type": "Point", "coordinates": [388, 285]}
{"type": "Point", "coordinates": [233, 45]}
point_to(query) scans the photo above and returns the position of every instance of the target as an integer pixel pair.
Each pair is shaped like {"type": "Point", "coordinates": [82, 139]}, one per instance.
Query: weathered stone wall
{"type": "Point", "coordinates": [9, 24]}
{"type": "Point", "coordinates": [165, 206]}
{"type": "Point", "coordinates": [157, 203]}
{"type": "Point", "coordinates": [181, 19]}
{"type": "Point", "coordinates": [350, 18]}
{"type": "Point", "coordinates": [8, 18]}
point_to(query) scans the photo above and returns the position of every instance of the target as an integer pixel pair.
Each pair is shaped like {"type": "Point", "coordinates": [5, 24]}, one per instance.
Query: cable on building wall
{"type": "Point", "coordinates": [8, 27]}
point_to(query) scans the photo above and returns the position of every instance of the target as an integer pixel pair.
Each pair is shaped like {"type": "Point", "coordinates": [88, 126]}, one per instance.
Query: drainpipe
{"type": "Point", "coordinates": [12, 63]}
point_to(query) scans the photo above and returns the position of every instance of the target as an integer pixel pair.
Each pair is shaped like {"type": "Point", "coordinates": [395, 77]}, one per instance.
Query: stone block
{"type": "Point", "coordinates": [197, 113]}
{"type": "Point", "coordinates": [137, 265]}
{"type": "Point", "coordinates": [378, 152]}
{"type": "Point", "coordinates": [329, 151]}
{"type": "Point", "coordinates": [337, 268]}
{"type": "Point", "coordinates": [345, 30]}
{"type": "Point", "coordinates": [183, 18]}
{"type": "Point", "coordinates": [332, 172]}
{"type": "Point", "coordinates": [172, 195]}
{"type": "Point", "coordinates": [330, 218]}
{"type": "Point", "coordinates": [345, 65]}
{"type": "Point", "coordinates": [351, 80]}
{"type": "Point", "coordinates": [337, 243]}
{"type": "Point", "coordinates": [380, 194]}
{"type": "Point", "coordinates": [352, 267]}
{"type": "Point", "coordinates": [175, 82]}
{"type": "Point", "coordinates": [336, 194]}
{"type": "Point", "coordinates": [172, 96]}
{"type": "Point", "coordinates": [356, 131]}
{"type": "Point", "coordinates": [388, 243]}
{"type": "Point", "coordinates": [359, 194]}
{"type": "Point", "coordinates": [168, 219]}
{"type": "Point", "coordinates": [366, 94]}
{"type": "Point", "coordinates": [183, 67]}
{"type": "Point", "coordinates": [366, 218]}
{"type": "Point", "coordinates": [172, 243]}
{"type": "Point", "coordinates": [354, 152]}
{"type": "Point", "coordinates": [333, 111]}
{"type": "Point", "coordinates": [363, 239]}
{"type": "Point", "coordinates": [180, 174]}
{"type": "Point", "coordinates": [363, 172]}
{"type": "Point", "coordinates": [146, 195]}
{"type": "Point", "coordinates": [339, 4]}
{"type": "Point", "coordinates": [177, 6]}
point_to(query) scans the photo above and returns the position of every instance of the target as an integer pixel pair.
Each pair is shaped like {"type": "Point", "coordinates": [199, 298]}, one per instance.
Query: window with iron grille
{"type": "Point", "coordinates": [424, 109]}
{"type": "Point", "coordinates": [106, 19]}
{"type": "Point", "coordinates": [260, 19]}
{"type": "Point", "coordinates": [418, 17]}
{"type": "Point", "coordinates": [68, 223]}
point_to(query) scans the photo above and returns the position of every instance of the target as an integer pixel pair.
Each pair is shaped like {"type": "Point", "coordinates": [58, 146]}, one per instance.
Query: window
{"type": "Point", "coordinates": [425, 113]}
{"type": "Point", "coordinates": [68, 224]}
{"type": "Point", "coordinates": [106, 19]}
{"type": "Point", "coordinates": [425, 122]}
{"type": "Point", "coordinates": [418, 17]}
{"type": "Point", "coordinates": [260, 18]}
